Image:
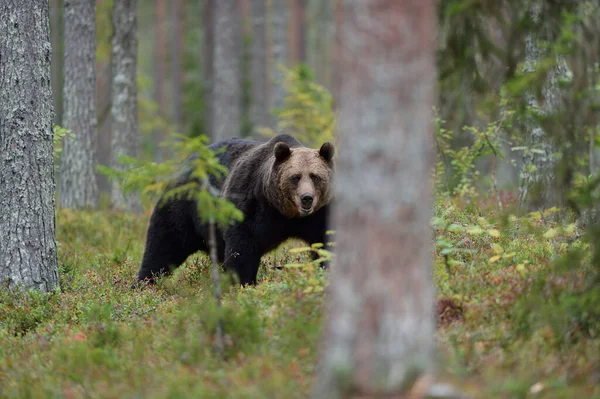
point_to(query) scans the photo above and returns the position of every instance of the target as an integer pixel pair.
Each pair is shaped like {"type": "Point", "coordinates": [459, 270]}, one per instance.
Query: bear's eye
{"type": "Point", "coordinates": [315, 178]}
{"type": "Point", "coordinates": [295, 179]}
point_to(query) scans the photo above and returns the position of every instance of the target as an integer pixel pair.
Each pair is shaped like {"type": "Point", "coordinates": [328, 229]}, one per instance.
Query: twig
{"type": "Point", "coordinates": [212, 244]}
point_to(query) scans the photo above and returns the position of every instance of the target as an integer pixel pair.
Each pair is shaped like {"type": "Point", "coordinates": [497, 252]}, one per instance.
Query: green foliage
{"type": "Point", "coordinates": [200, 166]}
{"type": "Point", "coordinates": [21, 312]}
{"type": "Point", "coordinates": [60, 134]}
{"type": "Point", "coordinates": [456, 170]}
{"type": "Point", "coordinates": [307, 112]}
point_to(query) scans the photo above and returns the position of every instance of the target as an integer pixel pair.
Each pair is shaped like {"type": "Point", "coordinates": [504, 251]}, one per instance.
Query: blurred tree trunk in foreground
{"type": "Point", "coordinates": [124, 110]}
{"type": "Point", "coordinates": [226, 71]}
{"type": "Point", "coordinates": [78, 184]}
{"type": "Point", "coordinates": [27, 221]}
{"type": "Point", "coordinates": [538, 188]}
{"type": "Point", "coordinates": [378, 337]}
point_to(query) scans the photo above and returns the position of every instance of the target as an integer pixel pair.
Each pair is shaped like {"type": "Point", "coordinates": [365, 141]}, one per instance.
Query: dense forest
{"type": "Point", "coordinates": [462, 140]}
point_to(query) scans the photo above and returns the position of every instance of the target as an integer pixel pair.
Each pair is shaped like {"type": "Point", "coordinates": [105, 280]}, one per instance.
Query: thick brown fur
{"type": "Point", "coordinates": [283, 189]}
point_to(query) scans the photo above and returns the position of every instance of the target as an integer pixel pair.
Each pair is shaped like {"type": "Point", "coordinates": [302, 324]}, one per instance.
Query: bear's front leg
{"type": "Point", "coordinates": [244, 261]}
{"type": "Point", "coordinates": [242, 254]}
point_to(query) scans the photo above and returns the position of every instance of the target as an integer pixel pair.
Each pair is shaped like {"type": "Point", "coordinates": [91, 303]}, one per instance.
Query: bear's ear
{"type": "Point", "coordinates": [327, 150]}
{"type": "Point", "coordinates": [282, 152]}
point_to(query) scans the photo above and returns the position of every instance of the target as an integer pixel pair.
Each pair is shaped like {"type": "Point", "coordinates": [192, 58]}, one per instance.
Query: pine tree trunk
{"type": "Point", "coordinates": [280, 15]}
{"type": "Point", "coordinates": [208, 52]}
{"type": "Point", "coordinates": [300, 42]}
{"type": "Point", "coordinates": [56, 32]}
{"type": "Point", "coordinates": [27, 221]}
{"type": "Point", "coordinates": [78, 185]}
{"type": "Point", "coordinates": [160, 58]}
{"type": "Point", "coordinates": [537, 188]}
{"type": "Point", "coordinates": [226, 95]}
{"type": "Point", "coordinates": [178, 18]}
{"type": "Point", "coordinates": [124, 115]}
{"type": "Point", "coordinates": [259, 111]}
{"type": "Point", "coordinates": [380, 324]}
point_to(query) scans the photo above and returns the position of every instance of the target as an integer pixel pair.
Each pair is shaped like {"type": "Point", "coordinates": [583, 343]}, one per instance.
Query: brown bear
{"type": "Point", "coordinates": [284, 190]}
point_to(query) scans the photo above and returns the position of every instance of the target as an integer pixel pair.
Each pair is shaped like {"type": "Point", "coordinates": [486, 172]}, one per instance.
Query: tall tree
{"type": "Point", "coordinates": [380, 324]}
{"type": "Point", "coordinates": [208, 53]}
{"type": "Point", "coordinates": [298, 31]}
{"type": "Point", "coordinates": [280, 16]}
{"type": "Point", "coordinates": [27, 220]}
{"type": "Point", "coordinates": [160, 68]}
{"type": "Point", "coordinates": [56, 37]}
{"type": "Point", "coordinates": [178, 24]}
{"type": "Point", "coordinates": [226, 89]}
{"type": "Point", "coordinates": [124, 116]}
{"type": "Point", "coordinates": [537, 188]}
{"type": "Point", "coordinates": [259, 111]}
{"type": "Point", "coordinates": [78, 185]}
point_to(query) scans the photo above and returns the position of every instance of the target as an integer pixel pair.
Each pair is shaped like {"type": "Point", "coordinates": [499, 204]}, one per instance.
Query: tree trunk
{"type": "Point", "coordinates": [226, 95]}
{"type": "Point", "coordinates": [160, 59]}
{"type": "Point", "coordinates": [537, 188]}
{"type": "Point", "coordinates": [380, 323]}
{"type": "Point", "coordinates": [280, 15]}
{"type": "Point", "coordinates": [78, 185]}
{"type": "Point", "coordinates": [124, 115]}
{"type": "Point", "coordinates": [56, 37]}
{"type": "Point", "coordinates": [27, 221]}
{"type": "Point", "coordinates": [208, 52]}
{"type": "Point", "coordinates": [259, 111]}
{"type": "Point", "coordinates": [178, 18]}
{"type": "Point", "coordinates": [298, 32]}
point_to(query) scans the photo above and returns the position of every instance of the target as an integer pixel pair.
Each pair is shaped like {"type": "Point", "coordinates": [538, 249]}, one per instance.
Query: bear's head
{"type": "Point", "coordinates": [302, 177]}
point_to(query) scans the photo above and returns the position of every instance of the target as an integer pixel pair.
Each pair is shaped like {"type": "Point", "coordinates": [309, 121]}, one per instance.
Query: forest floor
{"type": "Point", "coordinates": [98, 338]}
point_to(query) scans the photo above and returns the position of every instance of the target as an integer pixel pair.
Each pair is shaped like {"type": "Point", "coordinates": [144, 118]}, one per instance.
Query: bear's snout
{"type": "Point", "coordinates": [306, 201]}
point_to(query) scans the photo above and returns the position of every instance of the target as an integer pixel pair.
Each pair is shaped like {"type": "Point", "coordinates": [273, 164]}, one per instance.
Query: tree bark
{"type": "Point", "coordinates": [208, 52]}
{"type": "Point", "coordinates": [178, 18]}
{"type": "Point", "coordinates": [160, 59]}
{"type": "Point", "coordinates": [124, 113]}
{"type": "Point", "coordinates": [298, 32]}
{"type": "Point", "coordinates": [27, 222]}
{"type": "Point", "coordinates": [259, 110]}
{"type": "Point", "coordinates": [378, 336]}
{"type": "Point", "coordinates": [56, 37]}
{"type": "Point", "coordinates": [78, 185]}
{"type": "Point", "coordinates": [226, 93]}
{"type": "Point", "coordinates": [537, 188]}
{"type": "Point", "coordinates": [280, 16]}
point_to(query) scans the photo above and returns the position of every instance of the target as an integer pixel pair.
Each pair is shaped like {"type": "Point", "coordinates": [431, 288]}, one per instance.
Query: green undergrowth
{"type": "Point", "coordinates": [513, 321]}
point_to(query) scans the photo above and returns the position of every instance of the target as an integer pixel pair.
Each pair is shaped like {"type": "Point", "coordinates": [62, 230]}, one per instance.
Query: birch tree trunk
{"type": "Point", "coordinates": [280, 16]}
{"type": "Point", "coordinates": [27, 221]}
{"type": "Point", "coordinates": [378, 336]}
{"type": "Point", "coordinates": [226, 95]}
{"type": "Point", "coordinates": [259, 110]}
{"type": "Point", "coordinates": [78, 185]}
{"type": "Point", "coordinates": [124, 113]}
{"type": "Point", "coordinates": [537, 188]}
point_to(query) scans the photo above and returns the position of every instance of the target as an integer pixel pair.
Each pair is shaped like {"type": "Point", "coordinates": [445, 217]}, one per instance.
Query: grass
{"type": "Point", "coordinates": [498, 337]}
